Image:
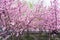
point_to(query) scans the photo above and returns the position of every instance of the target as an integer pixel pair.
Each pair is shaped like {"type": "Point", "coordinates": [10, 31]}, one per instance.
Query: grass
{"type": "Point", "coordinates": [34, 36]}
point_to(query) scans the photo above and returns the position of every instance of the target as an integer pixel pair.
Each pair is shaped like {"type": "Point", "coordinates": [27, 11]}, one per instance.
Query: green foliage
{"type": "Point", "coordinates": [40, 36]}
{"type": "Point", "coordinates": [28, 37]}
{"type": "Point", "coordinates": [31, 5]}
{"type": "Point", "coordinates": [43, 36]}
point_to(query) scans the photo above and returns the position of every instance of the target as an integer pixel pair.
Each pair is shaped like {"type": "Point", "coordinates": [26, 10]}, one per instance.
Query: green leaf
{"type": "Point", "coordinates": [31, 5]}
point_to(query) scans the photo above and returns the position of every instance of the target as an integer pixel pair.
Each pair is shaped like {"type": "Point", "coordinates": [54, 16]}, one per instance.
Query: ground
{"type": "Point", "coordinates": [35, 36]}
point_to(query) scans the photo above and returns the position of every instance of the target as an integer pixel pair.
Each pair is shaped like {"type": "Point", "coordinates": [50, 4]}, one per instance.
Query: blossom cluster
{"type": "Point", "coordinates": [18, 16]}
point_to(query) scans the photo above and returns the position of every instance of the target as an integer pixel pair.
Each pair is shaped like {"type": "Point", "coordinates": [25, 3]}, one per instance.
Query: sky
{"type": "Point", "coordinates": [45, 3]}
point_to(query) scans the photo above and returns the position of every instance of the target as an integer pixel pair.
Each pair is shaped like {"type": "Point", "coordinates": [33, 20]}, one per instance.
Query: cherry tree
{"type": "Point", "coordinates": [20, 16]}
